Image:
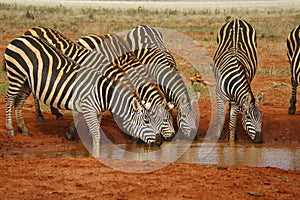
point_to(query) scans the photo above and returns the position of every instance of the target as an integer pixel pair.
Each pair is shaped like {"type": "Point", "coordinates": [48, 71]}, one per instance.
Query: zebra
{"type": "Point", "coordinates": [67, 46]}
{"type": "Point", "coordinates": [147, 43]}
{"type": "Point", "coordinates": [57, 80]}
{"type": "Point", "coordinates": [115, 49]}
{"type": "Point", "coordinates": [235, 64]}
{"type": "Point", "coordinates": [293, 45]}
{"type": "Point", "coordinates": [90, 57]}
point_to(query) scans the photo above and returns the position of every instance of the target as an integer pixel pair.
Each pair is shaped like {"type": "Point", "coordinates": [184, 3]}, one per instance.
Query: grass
{"type": "Point", "coordinates": [3, 84]}
{"type": "Point", "coordinates": [274, 71]}
{"type": "Point", "coordinates": [107, 20]}
{"type": "Point", "coordinates": [279, 85]}
{"type": "Point", "coordinates": [3, 88]}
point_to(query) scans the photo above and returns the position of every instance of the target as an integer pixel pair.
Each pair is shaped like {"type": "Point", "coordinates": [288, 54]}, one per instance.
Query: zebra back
{"type": "Point", "coordinates": [145, 37]}
{"type": "Point", "coordinates": [118, 53]}
{"type": "Point", "coordinates": [293, 41]}
{"type": "Point", "coordinates": [239, 38]}
{"type": "Point", "coordinates": [60, 41]}
{"type": "Point", "coordinates": [85, 57]}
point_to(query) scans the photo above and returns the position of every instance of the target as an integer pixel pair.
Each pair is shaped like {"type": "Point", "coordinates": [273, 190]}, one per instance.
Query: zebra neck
{"type": "Point", "coordinates": [121, 105]}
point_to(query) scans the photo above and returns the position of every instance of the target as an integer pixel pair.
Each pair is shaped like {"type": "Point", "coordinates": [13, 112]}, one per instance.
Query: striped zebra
{"type": "Point", "coordinates": [293, 51]}
{"type": "Point", "coordinates": [105, 63]}
{"type": "Point", "coordinates": [235, 64]}
{"type": "Point", "coordinates": [58, 81]}
{"type": "Point", "coordinates": [63, 43]}
{"type": "Point", "coordinates": [121, 56]}
{"type": "Point", "coordinates": [148, 45]}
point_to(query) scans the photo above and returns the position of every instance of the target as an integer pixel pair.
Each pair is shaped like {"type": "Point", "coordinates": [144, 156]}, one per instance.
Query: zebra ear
{"type": "Point", "coordinates": [247, 101]}
{"type": "Point", "coordinates": [136, 104]}
{"type": "Point", "coordinates": [260, 98]}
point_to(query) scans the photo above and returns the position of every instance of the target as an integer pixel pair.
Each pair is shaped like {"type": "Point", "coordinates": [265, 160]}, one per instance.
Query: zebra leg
{"type": "Point", "coordinates": [234, 110]}
{"type": "Point", "coordinates": [91, 118]}
{"type": "Point", "coordinates": [38, 112]}
{"type": "Point", "coordinates": [19, 103]}
{"type": "Point", "coordinates": [292, 108]}
{"type": "Point", "coordinates": [10, 98]}
{"type": "Point", "coordinates": [221, 116]}
{"type": "Point", "coordinates": [9, 104]}
{"type": "Point", "coordinates": [70, 135]}
{"type": "Point", "coordinates": [55, 112]}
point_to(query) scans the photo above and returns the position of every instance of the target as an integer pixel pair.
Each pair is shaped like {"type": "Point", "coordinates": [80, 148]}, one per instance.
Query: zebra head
{"type": "Point", "coordinates": [141, 124]}
{"type": "Point", "coordinates": [160, 111]}
{"type": "Point", "coordinates": [186, 118]}
{"type": "Point", "coordinates": [252, 118]}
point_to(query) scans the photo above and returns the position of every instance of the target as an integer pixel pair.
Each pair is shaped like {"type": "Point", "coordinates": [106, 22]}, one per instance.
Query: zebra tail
{"type": "Point", "coordinates": [4, 65]}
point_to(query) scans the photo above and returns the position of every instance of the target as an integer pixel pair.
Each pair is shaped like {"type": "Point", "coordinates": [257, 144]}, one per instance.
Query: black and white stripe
{"type": "Point", "coordinates": [58, 81]}
{"type": "Point", "coordinates": [121, 56]}
{"type": "Point", "coordinates": [148, 45]}
{"type": "Point", "coordinates": [111, 68]}
{"type": "Point", "coordinates": [64, 44]}
{"type": "Point", "coordinates": [235, 64]}
{"type": "Point", "coordinates": [293, 52]}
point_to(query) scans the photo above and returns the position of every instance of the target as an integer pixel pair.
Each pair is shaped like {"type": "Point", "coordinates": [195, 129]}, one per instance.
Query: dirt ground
{"type": "Point", "coordinates": [87, 178]}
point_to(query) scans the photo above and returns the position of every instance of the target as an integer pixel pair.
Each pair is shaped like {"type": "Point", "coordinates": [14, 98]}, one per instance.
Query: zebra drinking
{"type": "Point", "coordinates": [293, 52]}
{"type": "Point", "coordinates": [235, 64]}
{"type": "Point", "coordinates": [106, 58]}
{"type": "Point", "coordinates": [58, 81]}
{"type": "Point", "coordinates": [115, 49]}
{"type": "Point", "coordinates": [148, 45]}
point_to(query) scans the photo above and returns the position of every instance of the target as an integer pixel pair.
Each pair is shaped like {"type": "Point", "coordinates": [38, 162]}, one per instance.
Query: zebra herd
{"type": "Point", "coordinates": [135, 78]}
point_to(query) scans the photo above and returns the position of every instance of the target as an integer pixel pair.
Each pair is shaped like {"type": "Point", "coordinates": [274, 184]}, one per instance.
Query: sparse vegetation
{"type": "Point", "coordinates": [272, 26]}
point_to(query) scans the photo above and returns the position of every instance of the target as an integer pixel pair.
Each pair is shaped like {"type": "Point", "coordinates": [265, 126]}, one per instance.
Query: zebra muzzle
{"type": "Point", "coordinates": [158, 140]}
{"type": "Point", "coordinates": [258, 139]}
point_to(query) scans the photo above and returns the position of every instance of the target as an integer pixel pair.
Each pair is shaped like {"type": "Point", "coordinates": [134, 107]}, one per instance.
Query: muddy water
{"type": "Point", "coordinates": [285, 156]}
{"type": "Point", "coordinates": [274, 155]}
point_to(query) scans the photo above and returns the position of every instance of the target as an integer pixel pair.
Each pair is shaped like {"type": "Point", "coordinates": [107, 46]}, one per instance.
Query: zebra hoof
{"type": "Point", "coordinates": [61, 117]}
{"type": "Point", "coordinates": [195, 137]}
{"type": "Point", "coordinates": [291, 111]}
{"type": "Point", "coordinates": [70, 136]}
{"type": "Point", "coordinates": [27, 134]}
{"type": "Point", "coordinates": [11, 133]}
{"type": "Point", "coordinates": [218, 137]}
{"type": "Point", "coordinates": [24, 131]}
{"type": "Point", "coordinates": [40, 119]}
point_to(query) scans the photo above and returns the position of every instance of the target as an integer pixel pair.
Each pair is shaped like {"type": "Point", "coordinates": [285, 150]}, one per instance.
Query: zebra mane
{"type": "Point", "coordinates": [59, 52]}
{"type": "Point", "coordinates": [57, 33]}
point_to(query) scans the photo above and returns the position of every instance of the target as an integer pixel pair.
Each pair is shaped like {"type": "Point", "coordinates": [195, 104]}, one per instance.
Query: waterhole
{"type": "Point", "coordinates": [284, 156]}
